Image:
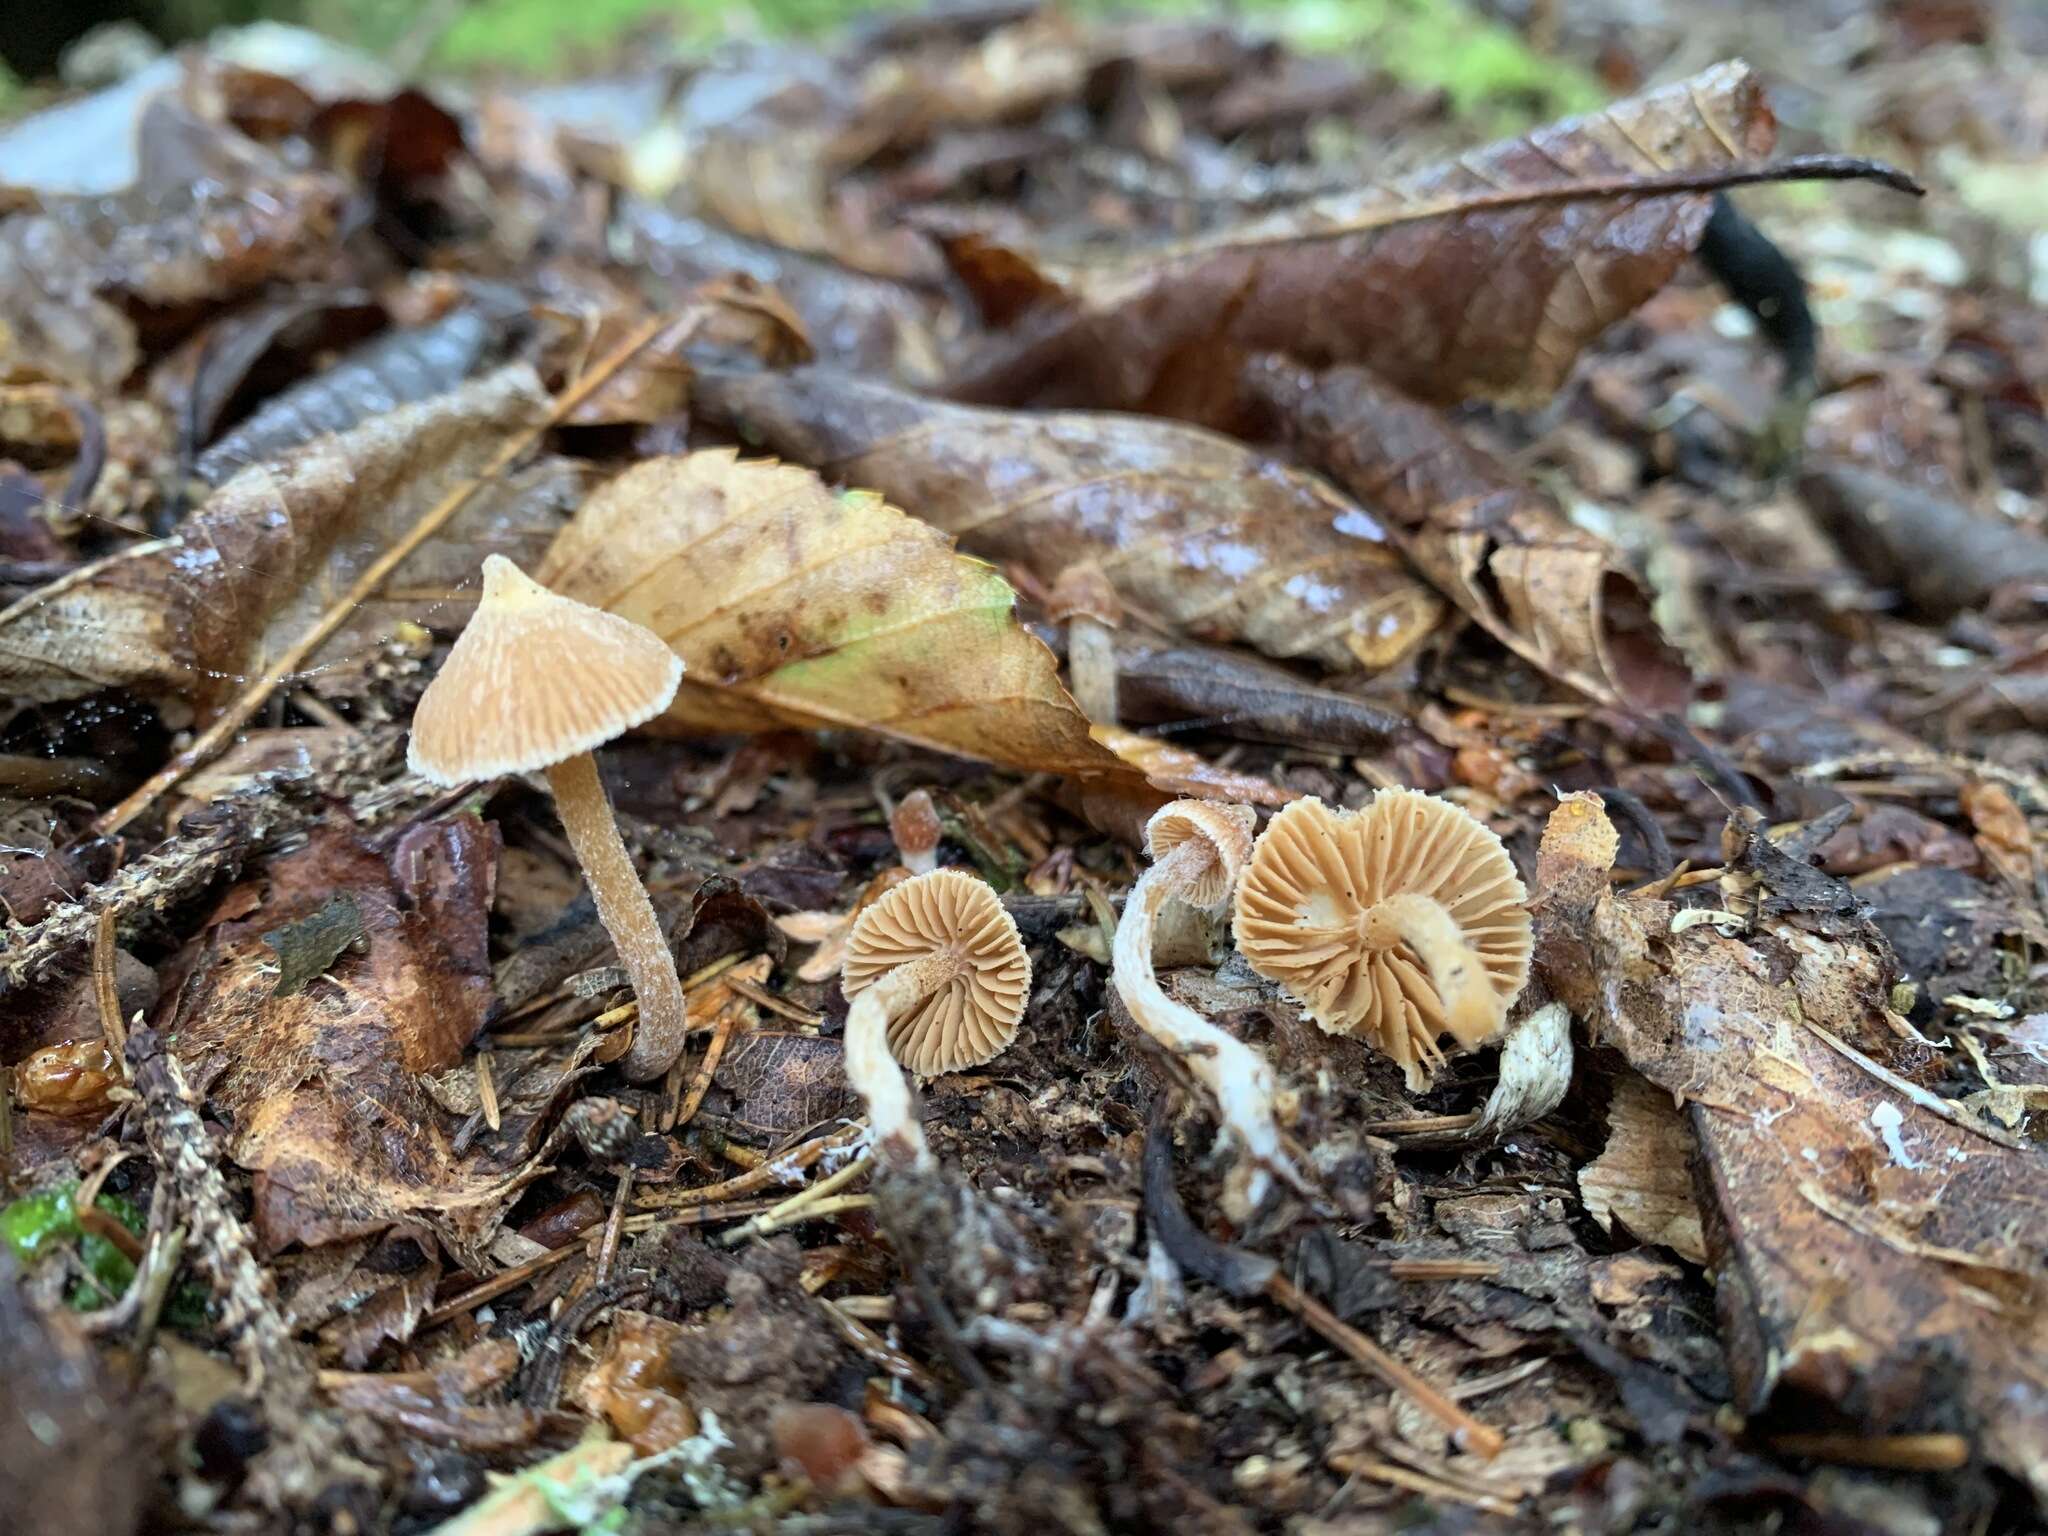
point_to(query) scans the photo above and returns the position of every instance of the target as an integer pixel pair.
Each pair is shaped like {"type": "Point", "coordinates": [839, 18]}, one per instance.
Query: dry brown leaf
{"type": "Point", "coordinates": [1557, 596]}
{"type": "Point", "coordinates": [1873, 1242]}
{"type": "Point", "coordinates": [793, 606]}
{"type": "Point", "coordinates": [1177, 771]}
{"type": "Point", "coordinates": [1643, 1178]}
{"type": "Point", "coordinates": [1203, 535]}
{"type": "Point", "coordinates": [1484, 275]}
{"type": "Point", "coordinates": [322, 1089]}
{"type": "Point", "coordinates": [190, 617]}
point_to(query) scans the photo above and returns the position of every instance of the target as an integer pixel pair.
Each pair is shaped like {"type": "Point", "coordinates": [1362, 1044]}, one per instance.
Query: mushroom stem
{"type": "Point", "coordinates": [1471, 1005]}
{"type": "Point", "coordinates": [1240, 1080]}
{"type": "Point", "coordinates": [871, 1067]}
{"type": "Point", "coordinates": [627, 915]}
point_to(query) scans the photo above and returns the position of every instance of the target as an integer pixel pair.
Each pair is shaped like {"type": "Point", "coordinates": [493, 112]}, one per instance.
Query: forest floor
{"type": "Point", "coordinates": [1162, 411]}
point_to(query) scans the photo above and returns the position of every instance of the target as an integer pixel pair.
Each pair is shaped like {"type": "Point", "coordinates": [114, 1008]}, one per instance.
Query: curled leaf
{"type": "Point", "coordinates": [1557, 596]}
{"type": "Point", "coordinates": [793, 606]}
{"type": "Point", "coordinates": [1204, 535]}
{"type": "Point", "coordinates": [190, 616]}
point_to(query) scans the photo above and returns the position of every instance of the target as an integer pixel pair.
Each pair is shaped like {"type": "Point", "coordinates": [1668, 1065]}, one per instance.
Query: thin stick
{"type": "Point", "coordinates": [774, 1170]}
{"type": "Point", "coordinates": [1902, 1453]}
{"type": "Point", "coordinates": [777, 1215]}
{"type": "Point", "coordinates": [105, 993]}
{"type": "Point", "coordinates": [365, 586]}
{"type": "Point", "coordinates": [487, 1091]}
{"type": "Point", "coordinates": [1419, 1482]}
{"type": "Point", "coordinates": [700, 1083]}
{"type": "Point", "coordinates": [1466, 1432]}
{"type": "Point", "coordinates": [608, 1249]}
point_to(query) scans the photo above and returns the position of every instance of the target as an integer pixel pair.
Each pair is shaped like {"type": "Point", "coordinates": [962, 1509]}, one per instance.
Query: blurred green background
{"type": "Point", "coordinates": [1436, 43]}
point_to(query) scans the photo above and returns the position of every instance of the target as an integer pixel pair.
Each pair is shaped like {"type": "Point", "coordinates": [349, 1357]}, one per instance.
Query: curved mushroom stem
{"type": "Point", "coordinates": [627, 915]}
{"type": "Point", "coordinates": [871, 1067]}
{"type": "Point", "coordinates": [1472, 1008]}
{"type": "Point", "coordinates": [1236, 1075]}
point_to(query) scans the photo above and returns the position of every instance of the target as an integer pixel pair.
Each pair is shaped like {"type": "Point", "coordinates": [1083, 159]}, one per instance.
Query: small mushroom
{"type": "Point", "coordinates": [939, 978]}
{"type": "Point", "coordinates": [1401, 922]}
{"type": "Point", "coordinates": [1198, 851]}
{"type": "Point", "coordinates": [540, 681]}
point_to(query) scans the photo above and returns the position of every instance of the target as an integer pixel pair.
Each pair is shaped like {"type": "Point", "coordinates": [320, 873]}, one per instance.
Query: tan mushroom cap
{"type": "Point", "coordinates": [1227, 829]}
{"type": "Point", "coordinates": [975, 1014]}
{"type": "Point", "coordinates": [535, 679]}
{"type": "Point", "coordinates": [1315, 875]}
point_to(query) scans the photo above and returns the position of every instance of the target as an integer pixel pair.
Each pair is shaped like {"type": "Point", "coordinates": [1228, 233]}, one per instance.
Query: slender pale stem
{"type": "Point", "coordinates": [1472, 1007]}
{"type": "Point", "coordinates": [1239, 1078]}
{"type": "Point", "coordinates": [627, 915]}
{"type": "Point", "coordinates": [872, 1068]}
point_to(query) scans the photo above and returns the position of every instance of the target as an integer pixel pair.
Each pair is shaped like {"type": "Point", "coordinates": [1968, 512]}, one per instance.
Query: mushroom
{"type": "Point", "coordinates": [1198, 850]}
{"type": "Point", "coordinates": [1401, 922]}
{"type": "Point", "coordinates": [939, 978]}
{"type": "Point", "coordinates": [539, 681]}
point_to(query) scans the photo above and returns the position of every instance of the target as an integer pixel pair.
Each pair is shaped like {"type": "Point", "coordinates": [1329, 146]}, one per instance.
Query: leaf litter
{"type": "Point", "coordinates": [1297, 446]}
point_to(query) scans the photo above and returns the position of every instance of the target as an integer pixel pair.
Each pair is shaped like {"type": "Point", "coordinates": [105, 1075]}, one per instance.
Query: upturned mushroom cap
{"type": "Point", "coordinates": [974, 1015]}
{"type": "Point", "coordinates": [535, 679]}
{"type": "Point", "coordinates": [1225, 829]}
{"type": "Point", "coordinates": [1315, 876]}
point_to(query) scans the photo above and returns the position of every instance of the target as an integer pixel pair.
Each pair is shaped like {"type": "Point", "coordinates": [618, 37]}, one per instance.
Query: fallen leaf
{"type": "Point", "coordinates": [211, 215]}
{"type": "Point", "coordinates": [190, 617]}
{"type": "Point", "coordinates": [435, 1404]}
{"type": "Point", "coordinates": [1177, 771]}
{"type": "Point", "coordinates": [1643, 1178]}
{"type": "Point", "coordinates": [1484, 275]}
{"type": "Point", "coordinates": [1557, 596]}
{"type": "Point", "coordinates": [1201, 534]}
{"type": "Point", "coordinates": [321, 1088]}
{"type": "Point", "coordinates": [793, 606]}
{"type": "Point", "coordinates": [1869, 1237]}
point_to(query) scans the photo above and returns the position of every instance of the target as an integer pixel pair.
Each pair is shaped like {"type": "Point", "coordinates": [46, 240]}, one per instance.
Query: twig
{"type": "Point", "coordinates": [1899, 1453]}
{"type": "Point", "coordinates": [780, 1215]}
{"type": "Point", "coordinates": [1420, 1482]}
{"type": "Point", "coordinates": [776, 1170]}
{"type": "Point", "coordinates": [293, 657]}
{"type": "Point", "coordinates": [307, 1447]}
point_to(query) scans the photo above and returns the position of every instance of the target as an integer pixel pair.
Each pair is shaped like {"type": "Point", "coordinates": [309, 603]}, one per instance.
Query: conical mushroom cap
{"type": "Point", "coordinates": [534, 679]}
{"type": "Point", "coordinates": [1225, 829]}
{"type": "Point", "coordinates": [972, 1017]}
{"type": "Point", "coordinates": [1315, 874]}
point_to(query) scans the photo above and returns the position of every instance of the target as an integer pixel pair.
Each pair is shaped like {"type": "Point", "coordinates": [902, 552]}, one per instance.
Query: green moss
{"type": "Point", "coordinates": [38, 1224]}
{"type": "Point", "coordinates": [1487, 71]}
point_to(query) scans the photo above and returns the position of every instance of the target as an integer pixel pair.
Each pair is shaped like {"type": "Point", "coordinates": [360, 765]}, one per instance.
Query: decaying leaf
{"type": "Point", "coordinates": [1557, 596]}
{"type": "Point", "coordinates": [321, 1087]}
{"type": "Point", "coordinates": [1177, 771]}
{"type": "Point", "coordinates": [634, 1387]}
{"type": "Point", "coordinates": [1644, 1177]}
{"type": "Point", "coordinates": [1203, 535]}
{"type": "Point", "coordinates": [1485, 275]}
{"type": "Point", "coordinates": [1872, 1241]}
{"type": "Point", "coordinates": [191, 616]}
{"type": "Point", "coordinates": [793, 606]}
{"type": "Point", "coordinates": [211, 215]}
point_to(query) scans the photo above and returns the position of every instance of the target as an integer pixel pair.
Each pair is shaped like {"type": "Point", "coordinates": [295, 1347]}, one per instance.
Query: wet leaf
{"type": "Point", "coordinates": [793, 606]}
{"type": "Point", "coordinates": [1557, 596]}
{"type": "Point", "coordinates": [1197, 532]}
{"type": "Point", "coordinates": [191, 616]}
{"type": "Point", "coordinates": [211, 216]}
{"type": "Point", "coordinates": [1485, 275]}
